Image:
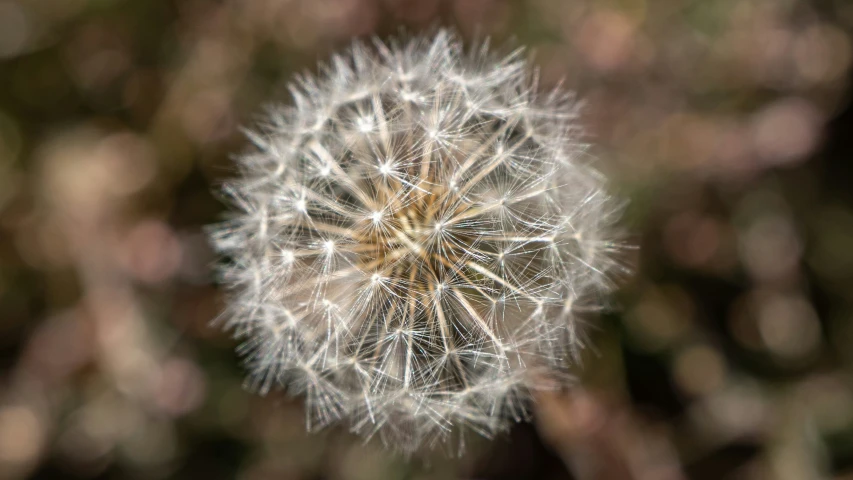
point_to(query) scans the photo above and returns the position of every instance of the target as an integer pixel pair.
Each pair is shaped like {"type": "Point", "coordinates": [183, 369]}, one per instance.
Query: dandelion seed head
{"type": "Point", "coordinates": [414, 239]}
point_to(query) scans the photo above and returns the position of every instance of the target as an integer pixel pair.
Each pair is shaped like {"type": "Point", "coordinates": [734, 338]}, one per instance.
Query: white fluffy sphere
{"type": "Point", "coordinates": [416, 235]}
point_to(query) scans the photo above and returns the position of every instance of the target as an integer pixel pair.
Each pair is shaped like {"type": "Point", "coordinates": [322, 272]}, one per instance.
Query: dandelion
{"type": "Point", "coordinates": [417, 236]}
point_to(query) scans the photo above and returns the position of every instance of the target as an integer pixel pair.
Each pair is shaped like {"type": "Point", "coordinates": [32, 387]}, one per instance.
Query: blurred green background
{"type": "Point", "coordinates": [728, 123]}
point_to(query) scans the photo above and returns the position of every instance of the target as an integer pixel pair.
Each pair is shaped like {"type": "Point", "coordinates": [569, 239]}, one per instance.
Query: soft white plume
{"type": "Point", "coordinates": [416, 236]}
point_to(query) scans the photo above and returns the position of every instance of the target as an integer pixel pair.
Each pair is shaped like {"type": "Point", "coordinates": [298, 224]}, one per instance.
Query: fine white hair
{"type": "Point", "coordinates": [416, 238]}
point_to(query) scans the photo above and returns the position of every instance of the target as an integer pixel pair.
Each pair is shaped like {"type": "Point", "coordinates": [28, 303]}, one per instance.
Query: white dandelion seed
{"type": "Point", "coordinates": [415, 238]}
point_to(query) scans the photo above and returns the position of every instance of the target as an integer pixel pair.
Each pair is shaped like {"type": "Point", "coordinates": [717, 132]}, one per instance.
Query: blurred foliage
{"type": "Point", "coordinates": [726, 121]}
